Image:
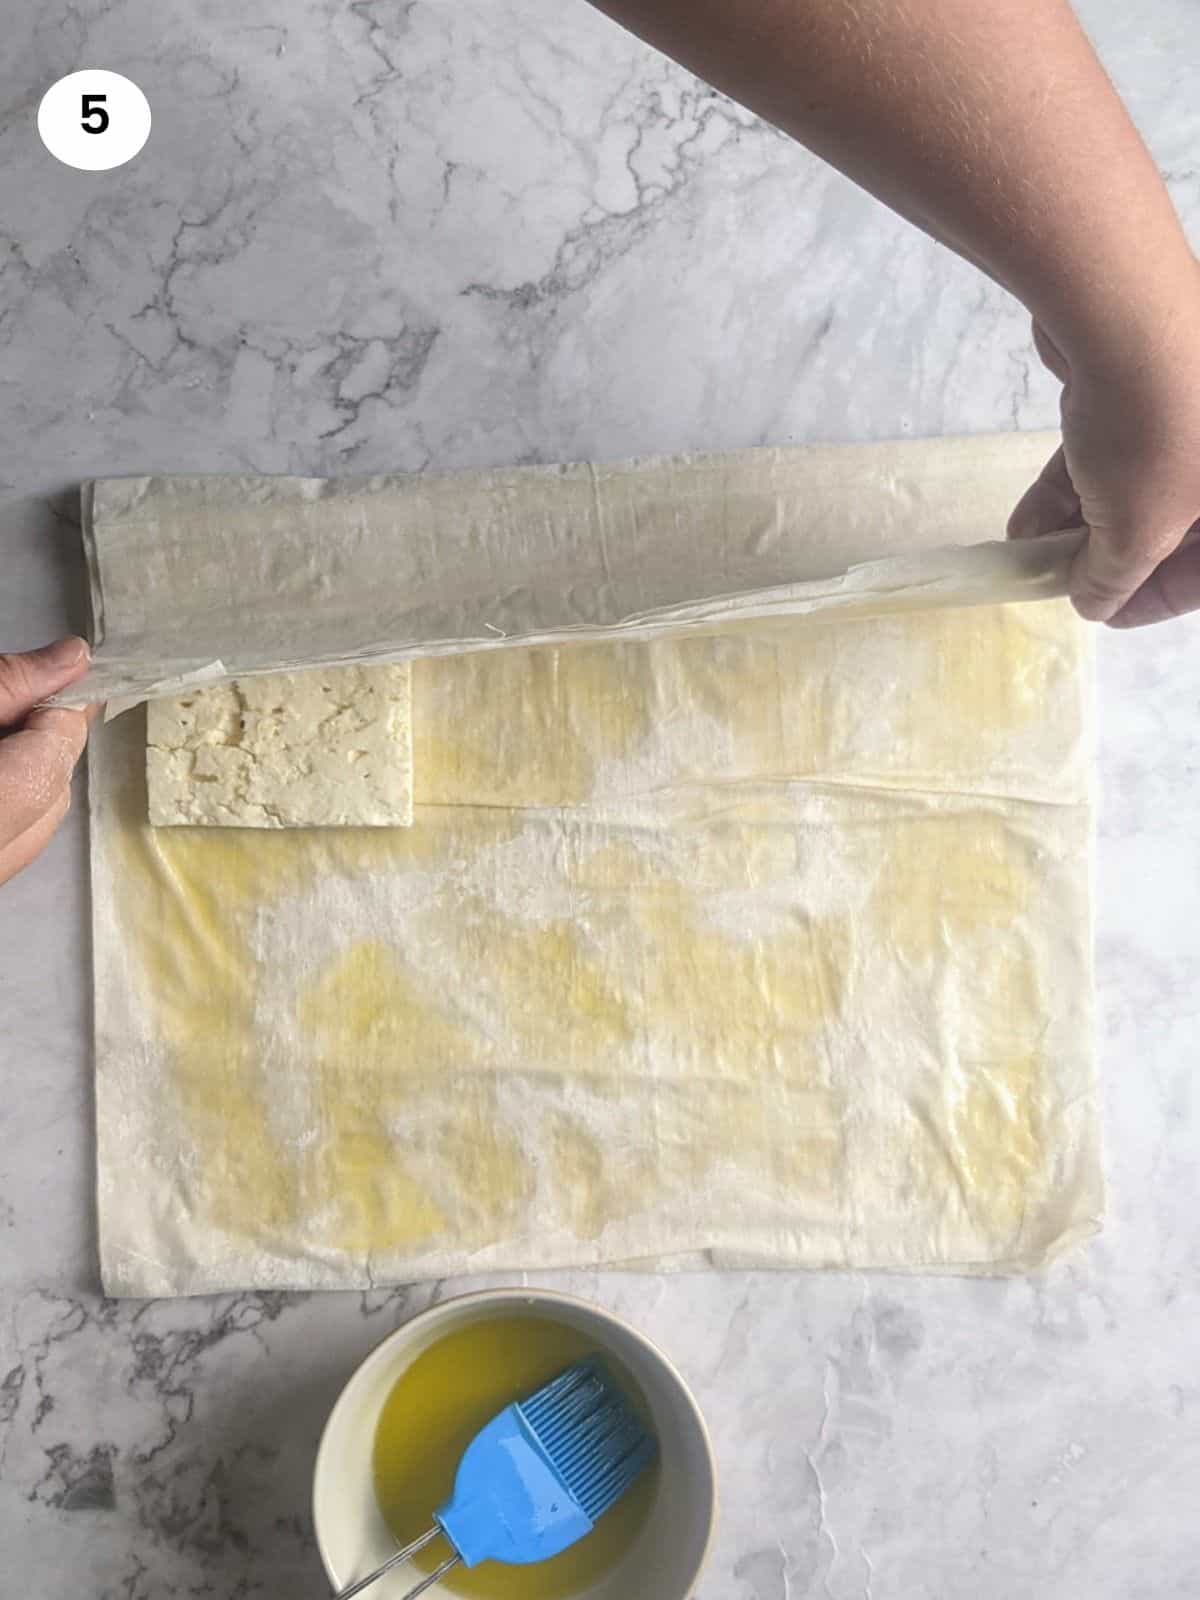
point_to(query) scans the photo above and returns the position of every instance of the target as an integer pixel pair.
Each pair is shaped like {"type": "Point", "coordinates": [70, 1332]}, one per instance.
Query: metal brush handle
{"type": "Point", "coordinates": [394, 1561]}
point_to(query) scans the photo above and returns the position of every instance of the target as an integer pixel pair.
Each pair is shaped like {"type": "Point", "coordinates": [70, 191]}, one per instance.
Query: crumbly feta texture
{"type": "Point", "coordinates": [331, 747]}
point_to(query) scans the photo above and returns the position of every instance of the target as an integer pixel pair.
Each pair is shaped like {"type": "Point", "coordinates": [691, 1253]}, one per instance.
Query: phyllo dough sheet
{"type": "Point", "coordinates": [770, 948]}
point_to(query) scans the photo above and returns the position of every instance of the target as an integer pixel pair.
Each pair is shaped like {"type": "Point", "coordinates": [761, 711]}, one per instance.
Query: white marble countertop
{"type": "Point", "coordinates": [453, 233]}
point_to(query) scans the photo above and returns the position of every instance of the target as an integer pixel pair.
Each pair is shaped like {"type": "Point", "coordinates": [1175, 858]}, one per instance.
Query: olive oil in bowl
{"type": "Point", "coordinates": [437, 1407]}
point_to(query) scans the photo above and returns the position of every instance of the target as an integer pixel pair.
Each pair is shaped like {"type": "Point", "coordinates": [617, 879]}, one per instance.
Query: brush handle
{"type": "Point", "coordinates": [434, 1577]}
{"type": "Point", "coordinates": [396, 1560]}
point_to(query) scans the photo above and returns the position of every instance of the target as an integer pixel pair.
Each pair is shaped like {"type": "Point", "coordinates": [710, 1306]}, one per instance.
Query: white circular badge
{"type": "Point", "coordinates": [94, 120]}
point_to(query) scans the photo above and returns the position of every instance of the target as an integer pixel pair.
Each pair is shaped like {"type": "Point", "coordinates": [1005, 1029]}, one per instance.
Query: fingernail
{"type": "Point", "coordinates": [63, 653]}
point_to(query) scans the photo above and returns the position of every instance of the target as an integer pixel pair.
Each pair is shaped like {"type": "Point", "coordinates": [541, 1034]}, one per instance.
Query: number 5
{"type": "Point", "coordinates": [93, 106]}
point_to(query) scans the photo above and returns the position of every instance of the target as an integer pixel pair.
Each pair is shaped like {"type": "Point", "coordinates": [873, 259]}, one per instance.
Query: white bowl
{"type": "Point", "coordinates": [664, 1561]}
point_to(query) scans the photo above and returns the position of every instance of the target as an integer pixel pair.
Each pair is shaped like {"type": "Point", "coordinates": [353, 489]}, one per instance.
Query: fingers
{"type": "Point", "coordinates": [31, 677]}
{"type": "Point", "coordinates": [1128, 579]}
{"type": "Point", "coordinates": [1111, 568]}
{"type": "Point", "coordinates": [36, 764]}
{"type": "Point", "coordinates": [1171, 590]}
{"type": "Point", "coordinates": [1048, 505]}
{"type": "Point", "coordinates": [37, 760]}
{"type": "Point", "coordinates": [21, 851]}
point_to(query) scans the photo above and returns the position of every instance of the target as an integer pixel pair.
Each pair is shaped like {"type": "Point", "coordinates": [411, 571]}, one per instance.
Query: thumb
{"type": "Point", "coordinates": [1173, 588]}
{"type": "Point", "coordinates": [1110, 569]}
{"type": "Point", "coordinates": [29, 678]}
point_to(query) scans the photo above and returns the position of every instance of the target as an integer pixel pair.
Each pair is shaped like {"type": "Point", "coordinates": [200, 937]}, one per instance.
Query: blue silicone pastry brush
{"type": "Point", "coordinates": [538, 1477]}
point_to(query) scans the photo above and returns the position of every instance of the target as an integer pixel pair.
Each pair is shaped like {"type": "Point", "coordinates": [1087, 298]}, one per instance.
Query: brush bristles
{"type": "Point", "coordinates": [591, 1435]}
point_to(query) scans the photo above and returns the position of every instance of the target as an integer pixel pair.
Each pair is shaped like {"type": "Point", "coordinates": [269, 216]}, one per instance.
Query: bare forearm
{"type": "Point", "coordinates": [991, 125]}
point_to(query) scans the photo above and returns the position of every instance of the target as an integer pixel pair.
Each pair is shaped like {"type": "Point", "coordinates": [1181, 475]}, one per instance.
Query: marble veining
{"type": "Point", "coordinates": [403, 233]}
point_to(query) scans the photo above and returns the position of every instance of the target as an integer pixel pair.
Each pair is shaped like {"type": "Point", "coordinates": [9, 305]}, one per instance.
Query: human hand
{"type": "Point", "coordinates": [1129, 468]}
{"type": "Point", "coordinates": [39, 746]}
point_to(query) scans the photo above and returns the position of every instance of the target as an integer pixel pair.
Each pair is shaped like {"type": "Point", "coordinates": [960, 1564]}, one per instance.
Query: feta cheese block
{"type": "Point", "coordinates": [330, 747]}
